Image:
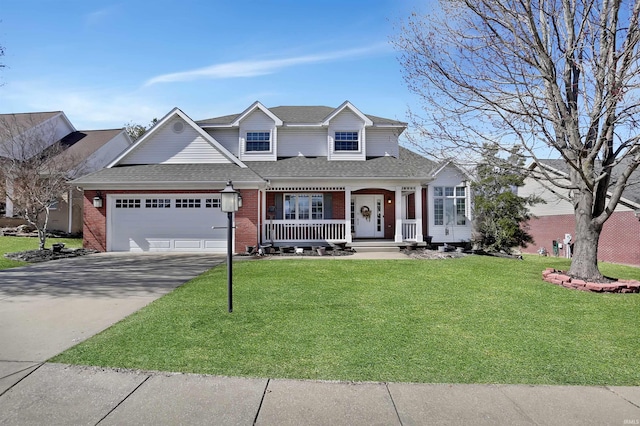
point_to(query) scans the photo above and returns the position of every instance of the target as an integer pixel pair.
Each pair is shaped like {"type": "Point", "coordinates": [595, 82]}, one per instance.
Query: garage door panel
{"type": "Point", "coordinates": [143, 228]}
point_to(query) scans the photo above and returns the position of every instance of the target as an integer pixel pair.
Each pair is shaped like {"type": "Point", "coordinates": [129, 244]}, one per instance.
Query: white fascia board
{"type": "Point", "coordinates": [217, 126]}
{"type": "Point", "coordinates": [347, 104]}
{"type": "Point", "coordinates": [65, 118]}
{"type": "Point", "coordinates": [384, 126]}
{"type": "Point", "coordinates": [171, 186]}
{"type": "Point", "coordinates": [176, 112]}
{"type": "Point", "coordinates": [318, 125]}
{"type": "Point", "coordinates": [253, 107]}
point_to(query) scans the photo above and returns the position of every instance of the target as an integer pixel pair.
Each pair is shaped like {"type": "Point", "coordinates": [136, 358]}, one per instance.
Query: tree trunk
{"type": "Point", "coordinates": [584, 263]}
{"type": "Point", "coordinates": [42, 236]}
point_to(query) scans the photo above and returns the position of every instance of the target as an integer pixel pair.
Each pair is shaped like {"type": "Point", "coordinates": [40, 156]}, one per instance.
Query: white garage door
{"type": "Point", "coordinates": [176, 222]}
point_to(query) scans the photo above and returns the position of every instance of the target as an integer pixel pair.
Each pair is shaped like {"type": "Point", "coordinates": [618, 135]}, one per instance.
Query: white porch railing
{"type": "Point", "coordinates": [304, 230]}
{"type": "Point", "coordinates": [409, 228]}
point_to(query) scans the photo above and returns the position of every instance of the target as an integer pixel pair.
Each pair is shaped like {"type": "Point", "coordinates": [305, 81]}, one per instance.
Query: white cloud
{"type": "Point", "coordinates": [253, 68]}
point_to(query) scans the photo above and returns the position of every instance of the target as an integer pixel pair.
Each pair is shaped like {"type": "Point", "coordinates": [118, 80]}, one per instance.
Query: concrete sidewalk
{"type": "Point", "coordinates": [55, 394]}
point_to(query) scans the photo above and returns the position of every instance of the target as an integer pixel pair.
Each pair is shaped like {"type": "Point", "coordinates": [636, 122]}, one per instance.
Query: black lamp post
{"type": "Point", "coordinates": [230, 203]}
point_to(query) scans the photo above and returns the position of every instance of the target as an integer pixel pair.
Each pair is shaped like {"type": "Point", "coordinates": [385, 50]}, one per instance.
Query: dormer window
{"type": "Point", "coordinates": [258, 141]}
{"type": "Point", "coordinates": [346, 141]}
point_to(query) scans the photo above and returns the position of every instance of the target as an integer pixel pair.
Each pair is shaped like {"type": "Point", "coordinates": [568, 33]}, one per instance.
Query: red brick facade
{"type": "Point", "coordinates": [619, 242]}
{"type": "Point", "coordinates": [95, 219]}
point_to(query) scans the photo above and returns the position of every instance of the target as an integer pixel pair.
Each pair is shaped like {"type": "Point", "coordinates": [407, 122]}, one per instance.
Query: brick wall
{"type": "Point", "coordinates": [95, 219]}
{"type": "Point", "coordinates": [247, 220]}
{"type": "Point", "coordinates": [94, 223]}
{"type": "Point", "coordinates": [619, 241]}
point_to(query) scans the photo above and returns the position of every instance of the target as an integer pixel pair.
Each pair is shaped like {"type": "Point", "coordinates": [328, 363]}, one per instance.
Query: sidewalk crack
{"type": "Point", "coordinates": [395, 408]}
{"type": "Point", "coordinates": [123, 400]}
{"type": "Point", "coordinates": [264, 393]}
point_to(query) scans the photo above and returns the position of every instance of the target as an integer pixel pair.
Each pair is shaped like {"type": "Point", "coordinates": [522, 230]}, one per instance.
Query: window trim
{"type": "Point", "coordinates": [345, 132]}
{"type": "Point", "coordinates": [258, 151]}
{"type": "Point", "coordinates": [455, 198]}
{"type": "Point", "coordinates": [310, 206]}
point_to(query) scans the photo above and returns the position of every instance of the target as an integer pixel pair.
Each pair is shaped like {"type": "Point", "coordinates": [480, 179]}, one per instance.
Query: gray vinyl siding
{"type": "Point", "coordinates": [227, 138]}
{"type": "Point", "coordinates": [382, 142]}
{"type": "Point", "coordinates": [308, 142]}
{"type": "Point", "coordinates": [169, 147]}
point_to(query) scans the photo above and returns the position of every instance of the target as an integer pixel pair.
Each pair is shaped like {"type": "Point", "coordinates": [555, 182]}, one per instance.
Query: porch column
{"type": "Point", "coordinates": [398, 236]}
{"type": "Point", "coordinates": [418, 215]}
{"type": "Point", "coordinates": [347, 214]}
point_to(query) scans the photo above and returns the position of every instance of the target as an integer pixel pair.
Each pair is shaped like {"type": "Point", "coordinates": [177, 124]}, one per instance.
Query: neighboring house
{"type": "Point", "coordinates": [84, 150]}
{"type": "Point", "coordinates": [619, 240]}
{"type": "Point", "coordinates": [308, 175]}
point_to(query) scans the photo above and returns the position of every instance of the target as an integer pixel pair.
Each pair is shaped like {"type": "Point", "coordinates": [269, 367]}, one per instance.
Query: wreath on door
{"type": "Point", "coordinates": [365, 211]}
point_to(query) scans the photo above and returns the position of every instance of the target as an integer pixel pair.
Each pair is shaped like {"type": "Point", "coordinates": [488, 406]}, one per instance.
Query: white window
{"type": "Point", "coordinates": [54, 205]}
{"type": "Point", "coordinates": [258, 141]}
{"type": "Point", "coordinates": [188, 203]}
{"type": "Point", "coordinates": [346, 141]}
{"type": "Point", "coordinates": [157, 203]}
{"type": "Point", "coordinates": [449, 205]}
{"type": "Point", "coordinates": [127, 203]}
{"type": "Point", "coordinates": [303, 206]}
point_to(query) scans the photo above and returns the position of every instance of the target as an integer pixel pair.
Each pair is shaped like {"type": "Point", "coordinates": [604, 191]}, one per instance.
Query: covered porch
{"type": "Point", "coordinates": [328, 215]}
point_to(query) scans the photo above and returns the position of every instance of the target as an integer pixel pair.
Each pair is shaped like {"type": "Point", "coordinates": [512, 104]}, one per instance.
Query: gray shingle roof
{"type": "Point", "coordinates": [632, 192]}
{"type": "Point", "coordinates": [298, 115]}
{"type": "Point", "coordinates": [408, 165]}
{"type": "Point", "coordinates": [169, 173]}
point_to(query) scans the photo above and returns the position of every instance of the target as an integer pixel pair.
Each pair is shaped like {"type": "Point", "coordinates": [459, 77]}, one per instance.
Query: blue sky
{"type": "Point", "coordinates": [108, 63]}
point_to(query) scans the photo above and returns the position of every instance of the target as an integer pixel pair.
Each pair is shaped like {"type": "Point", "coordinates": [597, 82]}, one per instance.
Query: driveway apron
{"type": "Point", "coordinates": [48, 307]}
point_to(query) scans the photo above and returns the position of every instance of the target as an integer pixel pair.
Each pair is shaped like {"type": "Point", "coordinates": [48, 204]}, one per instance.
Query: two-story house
{"type": "Point", "coordinates": [25, 135]}
{"type": "Point", "coordinates": [307, 175]}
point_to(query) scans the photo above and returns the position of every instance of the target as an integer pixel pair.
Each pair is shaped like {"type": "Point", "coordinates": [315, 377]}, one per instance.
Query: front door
{"type": "Point", "coordinates": [368, 216]}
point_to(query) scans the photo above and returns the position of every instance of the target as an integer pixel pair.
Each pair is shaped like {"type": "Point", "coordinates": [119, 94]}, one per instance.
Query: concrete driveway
{"type": "Point", "coordinates": [48, 307]}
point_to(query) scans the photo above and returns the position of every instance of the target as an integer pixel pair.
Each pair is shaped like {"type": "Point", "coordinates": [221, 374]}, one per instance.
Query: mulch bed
{"type": "Point", "coordinates": [35, 256]}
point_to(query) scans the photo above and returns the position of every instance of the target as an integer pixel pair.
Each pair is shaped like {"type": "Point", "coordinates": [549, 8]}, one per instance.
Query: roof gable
{"type": "Point", "coordinates": [176, 139]}
{"type": "Point", "coordinates": [256, 105]}
{"type": "Point", "coordinates": [346, 104]}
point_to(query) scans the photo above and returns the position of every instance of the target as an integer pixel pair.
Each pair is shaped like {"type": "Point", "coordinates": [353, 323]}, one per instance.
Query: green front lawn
{"type": "Point", "coordinates": [470, 320]}
{"type": "Point", "coordinates": [16, 244]}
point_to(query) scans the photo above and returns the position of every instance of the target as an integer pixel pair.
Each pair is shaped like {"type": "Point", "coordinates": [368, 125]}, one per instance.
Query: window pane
{"type": "Point", "coordinates": [460, 190]}
{"type": "Point", "coordinates": [316, 207]}
{"type": "Point", "coordinates": [290, 207]}
{"type": "Point", "coordinates": [346, 141]}
{"type": "Point", "coordinates": [258, 141]}
{"type": "Point", "coordinates": [460, 212]}
{"type": "Point", "coordinates": [449, 211]}
{"type": "Point", "coordinates": [438, 211]}
{"type": "Point", "coordinates": [303, 207]}
{"type": "Point", "coordinates": [448, 191]}
{"type": "Point", "coordinates": [437, 191]}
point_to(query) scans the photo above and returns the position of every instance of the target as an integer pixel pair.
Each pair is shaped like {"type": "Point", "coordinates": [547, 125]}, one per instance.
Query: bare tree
{"type": "Point", "coordinates": [35, 168]}
{"type": "Point", "coordinates": [558, 78]}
